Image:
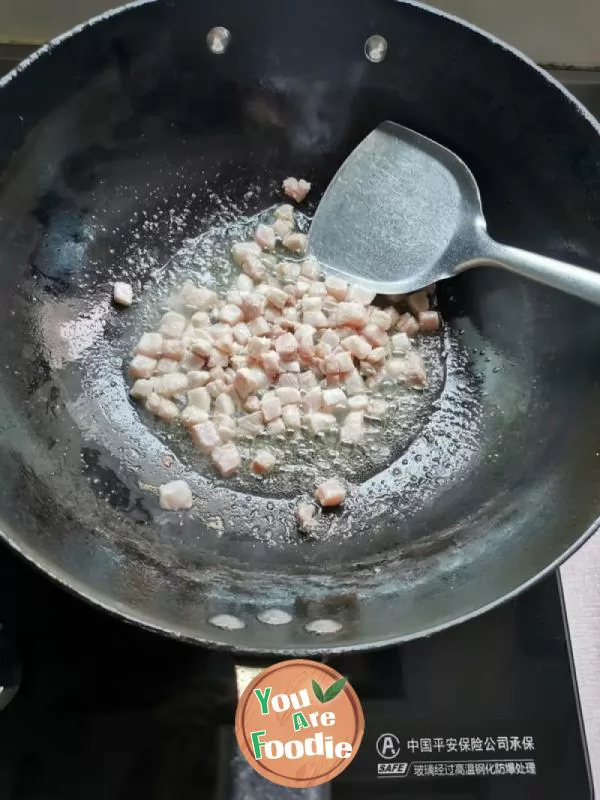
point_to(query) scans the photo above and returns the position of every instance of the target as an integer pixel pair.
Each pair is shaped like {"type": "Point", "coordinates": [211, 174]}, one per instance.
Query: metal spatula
{"type": "Point", "coordinates": [403, 212]}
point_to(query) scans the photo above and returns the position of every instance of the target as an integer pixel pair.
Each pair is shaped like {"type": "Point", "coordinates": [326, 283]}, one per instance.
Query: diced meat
{"type": "Point", "coordinates": [265, 237]}
{"type": "Point", "coordinates": [288, 271]}
{"type": "Point", "coordinates": [241, 333]}
{"type": "Point", "coordinates": [283, 227]}
{"type": "Point", "coordinates": [259, 327]}
{"type": "Point", "coordinates": [246, 382]}
{"type": "Point", "coordinates": [375, 335]}
{"type": "Point", "coordinates": [226, 459]}
{"type": "Point", "coordinates": [252, 404]}
{"type": "Point", "coordinates": [142, 389]}
{"type": "Point", "coordinates": [317, 289]}
{"type": "Point", "coordinates": [376, 356]}
{"type": "Point", "coordinates": [285, 211]}
{"type": "Point", "coordinates": [244, 283]}
{"type": "Point", "coordinates": [224, 405]}
{"type": "Point", "coordinates": [271, 363]}
{"type": "Point", "coordinates": [276, 427]}
{"type": "Point", "coordinates": [307, 381]}
{"type": "Point", "coordinates": [418, 302]}
{"type": "Point", "coordinates": [175, 496]}
{"type": "Point", "coordinates": [381, 318]}
{"type": "Point", "coordinates": [334, 399]}
{"type": "Point", "coordinates": [319, 422]}
{"type": "Point", "coordinates": [122, 293]}
{"type": "Point", "coordinates": [358, 346]}
{"type": "Point", "coordinates": [291, 366]}
{"type": "Point", "coordinates": [201, 319]}
{"type": "Point", "coordinates": [287, 395]}
{"type": "Point", "coordinates": [200, 398]}
{"type": "Point", "coordinates": [172, 325]}
{"type": "Point", "coordinates": [240, 252]}
{"type": "Point", "coordinates": [254, 268]}
{"type": "Point", "coordinates": [251, 424]}
{"type": "Point", "coordinates": [336, 287]}
{"type": "Point", "coordinates": [331, 493]}
{"type": "Point", "coordinates": [344, 361]}
{"type": "Point", "coordinates": [292, 419]}
{"type": "Point", "coordinates": [151, 345]}
{"type": "Point", "coordinates": [401, 343]}
{"type": "Point", "coordinates": [289, 380]}
{"type": "Point", "coordinates": [408, 324]}
{"type": "Point", "coordinates": [354, 384]}
{"type": "Point", "coordinates": [353, 315]}
{"type": "Point", "coordinates": [361, 295]}
{"type": "Point", "coordinates": [170, 385]}
{"type": "Point", "coordinates": [193, 298]}
{"type": "Point", "coordinates": [296, 189]}
{"type": "Point", "coordinates": [173, 348]}
{"type": "Point", "coordinates": [226, 427]}
{"type": "Point", "coordinates": [277, 297]}
{"type": "Point", "coordinates": [205, 436]}
{"type": "Point", "coordinates": [201, 347]}
{"type": "Point", "coordinates": [358, 402]}
{"type": "Point", "coordinates": [409, 370]}
{"type": "Point", "coordinates": [217, 359]}
{"type": "Point", "coordinates": [310, 269]}
{"type": "Point", "coordinates": [305, 517]}
{"type": "Point", "coordinates": [192, 363]}
{"type": "Point", "coordinates": [353, 428]}
{"type": "Point", "coordinates": [165, 366]}
{"type": "Point", "coordinates": [192, 415]}
{"type": "Point", "coordinates": [286, 346]}
{"type": "Point", "coordinates": [257, 345]}
{"type": "Point", "coordinates": [253, 305]}
{"type": "Point", "coordinates": [315, 318]}
{"type": "Point", "coordinates": [270, 406]}
{"type": "Point", "coordinates": [231, 314]}
{"type": "Point", "coordinates": [296, 242]}
{"type": "Point", "coordinates": [197, 378]}
{"type": "Point", "coordinates": [263, 462]}
{"type": "Point", "coordinates": [429, 321]}
{"type": "Point", "coordinates": [313, 400]}
{"type": "Point", "coordinates": [161, 407]}
{"type": "Point", "coordinates": [216, 387]}
{"type": "Point", "coordinates": [142, 367]}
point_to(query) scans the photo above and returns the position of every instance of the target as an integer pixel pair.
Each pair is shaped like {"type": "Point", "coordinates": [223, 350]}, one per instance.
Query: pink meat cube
{"type": "Point", "coordinates": [265, 237]}
{"type": "Point", "coordinates": [336, 287]}
{"type": "Point", "coordinates": [286, 346]}
{"type": "Point", "coordinates": [192, 415]}
{"type": "Point", "coordinates": [170, 385]}
{"type": "Point", "coordinates": [296, 189]}
{"type": "Point", "coordinates": [331, 493]}
{"type": "Point", "coordinates": [151, 345]}
{"type": "Point", "coordinates": [270, 406]}
{"type": "Point", "coordinates": [291, 417]}
{"type": "Point", "coordinates": [241, 333]}
{"type": "Point", "coordinates": [253, 305]}
{"type": "Point", "coordinates": [352, 315]}
{"type": "Point", "coordinates": [142, 367]}
{"type": "Point", "coordinates": [263, 462]}
{"type": "Point", "coordinates": [287, 395]}
{"type": "Point", "coordinates": [375, 335]}
{"type": "Point", "coordinates": [285, 211]}
{"type": "Point", "coordinates": [271, 363]}
{"type": "Point", "coordinates": [227, 459]}
{"type": "Point", "coordinates": [418, 302]}
{"type": "Point", "coordinates": [257, 345]}
{"type": "Point", "coordinates": [231, 314]}
{"type": "Point", "coordinates": [361, 295]}
{"type": "Point", "coordinates": [259, 327]}
{"type": "Point", "coordinates": [380, 318]}
{"type": "Point", "coordinates": [296, 242]}
{"type": "Point", "coordinates": [173, 348]}
{"type": "Point", "coordinates": [334, 399]}
{"type": "Point", "coordinates": [142, 389]}
{"type": "Point", "coordinates": [122, 293]}
{"type": "Point", "coordinates": [246, 382]}
{"type": "Point", "coordinates": [276, 427]}
{"type": "Point", "coordinates": [407, 324]}
{"type": "Point", "coordinates": [200, 397]}
{"type": "Point", "coordinates": [429, 321]}
{"type": "Point", "coordinates": [344, 362]}
{"type": "Point", "coordinates": [205, 436]}
{"type": "Point", "coordinates": [277, 297]}
{"type": "Point", "coordinates": [175, 496]}
{"type": "Point", "coordinates": [319, 422]}
{"type": "Point", "coordinates": [353, 428]}
{"type": "Point", "coordinates": [254, 268]}
{"type": "Point", "coordinates": [358, 346]}
{"type": "Point", "coordinates": [172, 325]}
{"type": "Point", "coordinates": [241, 250]}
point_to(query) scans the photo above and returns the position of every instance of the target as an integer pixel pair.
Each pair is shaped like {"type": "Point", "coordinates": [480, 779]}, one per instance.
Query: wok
{"type": "Point", "coordinates": [129, 136]}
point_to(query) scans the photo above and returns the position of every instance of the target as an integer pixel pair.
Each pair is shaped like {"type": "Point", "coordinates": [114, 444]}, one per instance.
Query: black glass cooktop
{"type": "Point", "coordinates": [106, 711]}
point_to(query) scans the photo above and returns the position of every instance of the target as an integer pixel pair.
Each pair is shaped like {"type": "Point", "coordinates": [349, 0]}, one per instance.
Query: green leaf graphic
{"type": "Point", "coordinates": [318, 692]}
{"type": "Point", "coordinates": [334, 689]}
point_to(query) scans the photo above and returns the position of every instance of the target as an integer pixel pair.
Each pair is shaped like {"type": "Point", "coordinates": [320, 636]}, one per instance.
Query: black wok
{"type": "Point", "coordinates": [125, 137]}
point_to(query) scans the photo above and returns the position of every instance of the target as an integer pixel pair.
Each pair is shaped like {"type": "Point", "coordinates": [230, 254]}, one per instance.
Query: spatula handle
{"type": "Point", "coordinates": [580, 282]}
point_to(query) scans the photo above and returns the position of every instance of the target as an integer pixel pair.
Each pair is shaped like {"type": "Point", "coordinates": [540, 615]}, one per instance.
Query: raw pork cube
{"type": "Point", "coordinates": [353, 428]}
{"type": "Point", "coordinates": [192, 415]}
{"type": "Point", "coordinates": [251, 424]}
{"type": "Point", "coordinates": [175, 496]}
{"type": "Point", "coordinates": [241, 250]}
{"type": "Point", "coordinates": [375, 335]}
{"type": "Point", "coordinates": [418, 302]}
{"type": "Point", "coordinates": [231, 314]}
{"type": "Point", "coordinates": [287, 395]}
{"type": "Point", "coordinates": [401, 343]}
{"type": "Point", "coordinates": [172, 325]}
{"type": "Point", "coordinates": [285, 211]}
{"type": "Point", "coordinates": [167, 365]}
{"type": "Point", "coordinates": [331, 493]}
{"type": "Point", "coordinates": [276, 427]}
{"type": "Point", "coordinates": [205, 436]}
{"type": "Point", "coordinates": [270, 406]}
{"type": "Point", "coordinates": [408, 324]}
{"type": "Point", "coordinates": [142, 367]}
{"type": "Point", "coordinates": [142, 389]}
{"type": "Point", "coordinates": [286, 346]}
{"type": "Point", "coordinates": [429, 321]}
{"type": "Point", "coordinates": [353, 315]}
{"type": "Point", "coordinates": [197, 378]}
{"type": "Point", "coordinates": [296, 189]}
{"type": "Point", "coordinates": [162, 407]}
{"type": "Point", "coordinates": [227, 459]}
{"type": "Point", "coordinates": [169, 385]}
{"type": "Point", "coordinates": [265, 237]}
{"type": "Point", "coordinates": [318, 421]}
{"type": "Point", "coordinates": [296, 242]}
{"type": "Point", "coordinates": [291, 417]}
{"type": "Point", "coordinates": [151, 345]}
{"type": "Point", "coordinates": [122, 293]}
{"type": "Point", "coordinates": [358, 346]}
{"type": "Point", "coordinates": [173, 348]}
{"type": "Point", "coordinates": [336, 287]}
{"type": "Point", "coordinates": [360, 295]}
{"type": "Point", "coordinates": [200, 398]}
{"type": "Point", "coordinates": [263, 461]}
{"type": "Point", "coordinates": [334, 399]}
{"type": "Point", "coordinates": [224, 405]}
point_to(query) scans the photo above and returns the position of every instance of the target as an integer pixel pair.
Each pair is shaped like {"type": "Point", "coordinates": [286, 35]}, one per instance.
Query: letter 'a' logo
{"type": "Point", "coordinates": [299, 723]}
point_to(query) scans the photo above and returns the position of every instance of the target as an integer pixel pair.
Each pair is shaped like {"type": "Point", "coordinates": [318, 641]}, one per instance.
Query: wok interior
{"type": "Point", "coordinates": [130, 137]}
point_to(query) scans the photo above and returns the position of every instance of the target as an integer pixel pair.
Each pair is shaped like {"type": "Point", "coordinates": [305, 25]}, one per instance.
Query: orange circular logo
{"type": "Point", "coordinates": [299, 723]}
